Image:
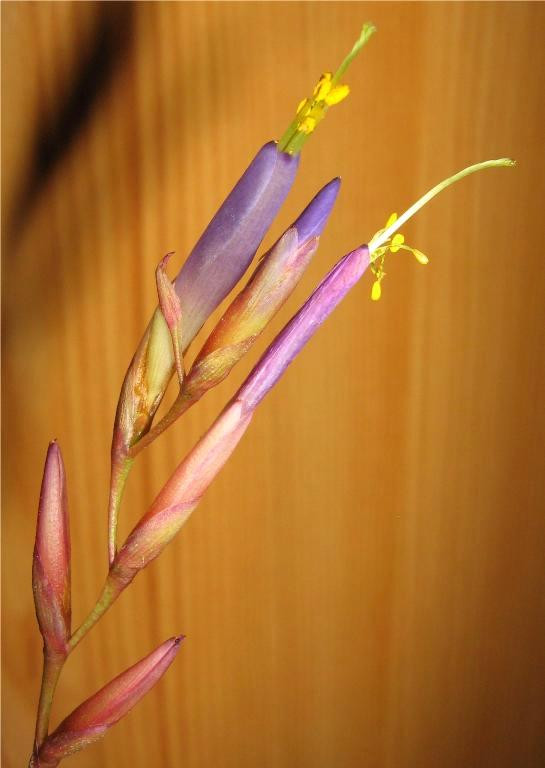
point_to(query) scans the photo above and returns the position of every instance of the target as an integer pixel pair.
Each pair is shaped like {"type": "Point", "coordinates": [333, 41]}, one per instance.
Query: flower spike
{"type": "Point", "coordinates": [327, 92]}
{"type": "Point", "coordinates": [185, 488]}
{"type": "Point", "coordinates": [214, 266]}
{"type": "Point", "coordinates": [389, 240]}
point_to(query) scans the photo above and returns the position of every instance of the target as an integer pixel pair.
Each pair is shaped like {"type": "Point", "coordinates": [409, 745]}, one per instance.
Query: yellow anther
{"type": "Point", "coordinates": [393, 217]}
{"type": "Point", "coordinates": [336, 95]}
{"type": "Point", "coordinates": [396, 241]}
{"type": "Point", "coordinates": [307, 125]}
{"type": "Point", "coordinates": [389, 239]}
{"type": "Point", "coordinates": [419, 256]}
{"type": "Point", "coordinates": [322, 87]}
{"type": "Point", "coordinates": [327, 92]}
{"type": "Point", "coordinates": [376, 291]}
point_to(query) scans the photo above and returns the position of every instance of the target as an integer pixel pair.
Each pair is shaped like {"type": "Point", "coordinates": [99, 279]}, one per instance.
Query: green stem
{"type": "Point", "coordinates": [121, 467]}
{"type": "Point", "coordinates": [107, 597]}
{"type": "Point", "coordinates": [53, 664]}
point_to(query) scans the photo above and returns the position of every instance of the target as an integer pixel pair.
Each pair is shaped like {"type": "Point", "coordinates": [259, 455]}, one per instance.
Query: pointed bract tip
{"type": "Point", "coordinates": [51, 561]}
{"type": "Point", "coordinates": [314, 218]}
{"type": "Point", "coordinates": [93, 717]}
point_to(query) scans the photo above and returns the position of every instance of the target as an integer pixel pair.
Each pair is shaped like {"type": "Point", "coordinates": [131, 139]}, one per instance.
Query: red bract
{"type": "Point", "coordinates": [91, 720]}
{"type": "Point", "coordinates": [51, 562]}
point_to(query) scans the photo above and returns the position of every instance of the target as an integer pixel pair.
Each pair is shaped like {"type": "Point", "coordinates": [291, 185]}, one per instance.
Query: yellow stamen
{"type": "Point", "coordinates": [388, 239]}
{"type": "Point", "coordinates": [393, 217]}
{"type": "Point", "coordinates": [336, 95]}
{"type": "Point", "coordinates": [420, 257]}
{"type": "Point", "coordinates": [327, 92]}
{"type": "Point", "coordinates": [376, 291]}
{"type": "Point", "coordinates": [396, 241]}
{"type": "Point", "coordinates": [307, 125]}
{"type": "Point", "coordinates": [322, 87]}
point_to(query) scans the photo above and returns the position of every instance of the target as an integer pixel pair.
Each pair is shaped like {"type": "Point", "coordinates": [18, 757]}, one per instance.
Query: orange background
{"type": "Point", "coordinates": [363, 585]}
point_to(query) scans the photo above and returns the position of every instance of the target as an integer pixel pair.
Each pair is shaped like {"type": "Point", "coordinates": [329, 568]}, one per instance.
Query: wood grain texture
{"type": "Point", "coordinates": [363, 585]}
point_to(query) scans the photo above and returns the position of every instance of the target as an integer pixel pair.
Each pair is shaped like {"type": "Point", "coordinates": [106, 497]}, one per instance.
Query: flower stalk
{"type": "Point", "coordinates": [217, 262]}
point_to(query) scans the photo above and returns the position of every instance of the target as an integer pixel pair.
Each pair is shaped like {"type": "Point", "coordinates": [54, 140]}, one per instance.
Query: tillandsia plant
{"type": "Point", "coordinates": [220, 258]}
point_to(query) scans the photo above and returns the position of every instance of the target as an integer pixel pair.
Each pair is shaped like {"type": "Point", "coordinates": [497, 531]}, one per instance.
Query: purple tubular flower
{"type": "Point", "coordinates": [186, 486]}
{"type": "Point", "coordinates": [273, 281]}
{"type": "Point", "coordinates": [302, 326]}
{"type": "Point", "coordinates": [230, 241]}
{"type": "Point", "coordinates": [215, 265]}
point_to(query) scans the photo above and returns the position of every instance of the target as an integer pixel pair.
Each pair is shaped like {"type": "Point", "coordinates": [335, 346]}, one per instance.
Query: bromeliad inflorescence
{"type": "Point", "coordinates": [212, 269]}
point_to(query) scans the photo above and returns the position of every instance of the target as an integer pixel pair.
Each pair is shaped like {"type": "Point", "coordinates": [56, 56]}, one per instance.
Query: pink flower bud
{"type": "Point", "coordinates": [271, 284]}
{"type": "Point", "coordinates": [51, 562]}
{"type": "Point", "coordinates": [180, 496]}
{"type": "Point", "coordinates": [91, 720]}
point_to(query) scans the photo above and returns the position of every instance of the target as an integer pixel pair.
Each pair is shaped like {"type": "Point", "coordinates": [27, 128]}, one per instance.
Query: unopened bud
{"type": "Point", "coordinates": [51, 562]}
{"type": "Point", "coordinates": [90, 721]}
{"type": "Point", "coordinates": [179, 496]}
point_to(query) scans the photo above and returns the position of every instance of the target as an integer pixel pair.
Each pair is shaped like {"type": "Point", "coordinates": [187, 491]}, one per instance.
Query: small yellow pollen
{"type": "Point", "coordinates": [420, 257]}
{"type": "Point", "coordinates": [376, 291]}
{"type": "Point", "coordinates": [322, 87]}
{"type": "Point", "coordinates": [393, 217]}
{"type": "Point", "coordinates": [307, 125]}
{"type": "Point", "coordinates": [301, 105]}
{"type": "Point", "coordinates": [337, 94]}
{"type": "Point", "coordinates": [397, 240]}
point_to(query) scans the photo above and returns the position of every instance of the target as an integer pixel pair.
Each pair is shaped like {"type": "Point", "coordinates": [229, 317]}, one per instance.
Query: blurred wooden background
{"type": "Point", "coordinates": [364, 584]}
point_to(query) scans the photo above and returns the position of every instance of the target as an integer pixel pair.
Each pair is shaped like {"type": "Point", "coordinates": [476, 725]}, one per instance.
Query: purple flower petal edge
{"type": "Point", "coordinates": [313, 219]}
{"type": "Point", "coordinates": [302, 326]}
{"type": "Point", "coordinates": [230, 241]}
